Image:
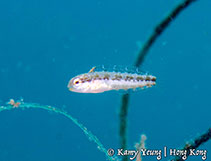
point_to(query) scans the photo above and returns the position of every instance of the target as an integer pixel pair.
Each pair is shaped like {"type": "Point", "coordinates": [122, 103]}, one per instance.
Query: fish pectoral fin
{"type": "Point", "coordinates": [92, 70]}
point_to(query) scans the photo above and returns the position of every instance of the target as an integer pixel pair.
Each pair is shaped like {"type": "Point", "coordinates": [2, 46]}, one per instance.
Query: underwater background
{"type": "Point", "coordinates": [43, 44]}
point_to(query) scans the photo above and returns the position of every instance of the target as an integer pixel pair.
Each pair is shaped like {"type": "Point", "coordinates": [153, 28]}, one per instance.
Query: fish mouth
{"type": "Point", "coordinates": [70, 88]}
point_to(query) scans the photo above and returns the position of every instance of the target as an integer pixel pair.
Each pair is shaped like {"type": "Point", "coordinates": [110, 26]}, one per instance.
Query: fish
{"type": "Point", "coordinates": [101, 81]}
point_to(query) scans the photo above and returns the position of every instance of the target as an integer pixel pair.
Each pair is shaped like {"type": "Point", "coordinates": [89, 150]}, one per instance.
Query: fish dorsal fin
{"type": "Point", "coordinates": [119, 69]}
{"type": "Point", "coordinates": [92, 70]}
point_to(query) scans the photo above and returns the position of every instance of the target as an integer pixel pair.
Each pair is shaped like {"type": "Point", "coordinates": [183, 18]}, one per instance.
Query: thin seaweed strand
{"type": "Point", "coordinates": [91, 137]}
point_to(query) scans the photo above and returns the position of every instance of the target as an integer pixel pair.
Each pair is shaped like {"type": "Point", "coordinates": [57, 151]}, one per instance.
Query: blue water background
{"type": "Point", "coordinates": [45, 43]}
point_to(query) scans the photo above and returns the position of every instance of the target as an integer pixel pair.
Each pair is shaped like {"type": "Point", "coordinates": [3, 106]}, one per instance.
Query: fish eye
{"type": "Point", "coordinates": [77, 81]}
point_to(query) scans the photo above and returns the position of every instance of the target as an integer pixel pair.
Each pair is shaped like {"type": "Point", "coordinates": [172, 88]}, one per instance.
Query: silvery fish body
{"type": "Point", "coordinates": [98, 82]}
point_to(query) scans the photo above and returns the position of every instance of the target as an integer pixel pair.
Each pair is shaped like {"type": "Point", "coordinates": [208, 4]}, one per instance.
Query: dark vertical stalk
{"type": "Point", "coordinates": [195, 144]}
{"type": "Point", "coordinates": [158, 30]}
{"type": "Point", "coordinates": [123, 123]}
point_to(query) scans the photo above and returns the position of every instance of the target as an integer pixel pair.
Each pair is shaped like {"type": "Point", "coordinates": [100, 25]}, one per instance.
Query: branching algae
{"type": "Point", "coordinates": [11, 105]}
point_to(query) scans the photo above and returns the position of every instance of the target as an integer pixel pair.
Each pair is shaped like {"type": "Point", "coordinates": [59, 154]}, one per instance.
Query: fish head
{"type": "Point", "coordinates": [76, 84]}
{"type": "Point", "coordinates": [86, 83]}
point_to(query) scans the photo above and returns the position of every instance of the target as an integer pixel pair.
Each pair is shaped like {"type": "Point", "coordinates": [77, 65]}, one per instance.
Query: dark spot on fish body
{"type": "Point", "coordinates": [106, 76]}
{"type": "Point", "coordinates": [129, 78]}
{"type": "Point", "coordinates": [85, 79]}
{"type": "Point", "coordinates": [147, 78]}
{"type": "Point", "coordinates": [153, 79]}
{"type": "Point", "coordinates": [117, 77]}
{"type": "Point", "coordinates": [139, 78]}
{"type": "Point", "coordinates": [96, 77]}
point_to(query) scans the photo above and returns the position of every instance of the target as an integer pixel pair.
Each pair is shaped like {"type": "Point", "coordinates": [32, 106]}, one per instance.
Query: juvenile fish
{"type": "Point", "coordinates": [101, 81]}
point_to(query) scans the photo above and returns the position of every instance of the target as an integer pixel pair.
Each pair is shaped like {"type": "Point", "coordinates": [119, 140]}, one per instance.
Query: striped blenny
{"type": "Point", "coordinates": [101, 81]}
